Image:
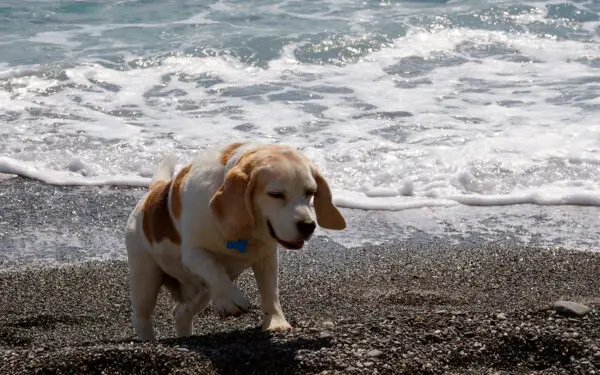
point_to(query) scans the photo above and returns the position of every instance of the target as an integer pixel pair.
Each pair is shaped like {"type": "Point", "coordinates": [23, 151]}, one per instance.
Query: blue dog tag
{"type": "Point", "coordinates": [240, 245]}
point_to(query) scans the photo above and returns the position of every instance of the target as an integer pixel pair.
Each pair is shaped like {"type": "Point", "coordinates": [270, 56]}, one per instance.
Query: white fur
{"type": "Point", "coordinates": [203, 268]}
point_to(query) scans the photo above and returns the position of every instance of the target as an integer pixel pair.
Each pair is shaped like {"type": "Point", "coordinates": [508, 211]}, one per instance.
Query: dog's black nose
{"type": "Point", "coordinates": [306, 228]}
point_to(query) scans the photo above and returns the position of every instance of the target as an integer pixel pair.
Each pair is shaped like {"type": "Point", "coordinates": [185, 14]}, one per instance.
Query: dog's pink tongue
{"type": "Point", "coordinates": [292, 245]}
{"type": "Point", "coordinates": [296, 244]}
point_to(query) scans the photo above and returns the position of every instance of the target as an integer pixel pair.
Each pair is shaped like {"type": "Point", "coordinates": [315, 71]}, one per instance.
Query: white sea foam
{"type": "Point", "coordinates": [482, 128]}
{"type": "Point", "coordinates": [11, 166]}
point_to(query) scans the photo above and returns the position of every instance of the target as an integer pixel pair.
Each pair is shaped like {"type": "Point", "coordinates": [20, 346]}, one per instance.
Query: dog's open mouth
{"type": "Point", "coordinates": [288, 245]}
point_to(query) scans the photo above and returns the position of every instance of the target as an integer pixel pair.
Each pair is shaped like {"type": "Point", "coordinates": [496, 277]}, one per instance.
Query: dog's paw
{"type": "Point", "coordinates": [231, 303]}
{"type": "Point", "coordinates": [275, 323]}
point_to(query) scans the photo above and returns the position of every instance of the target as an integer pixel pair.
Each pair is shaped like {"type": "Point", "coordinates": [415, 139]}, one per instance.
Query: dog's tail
{"type": "Point", "coordinates": [165, 169]}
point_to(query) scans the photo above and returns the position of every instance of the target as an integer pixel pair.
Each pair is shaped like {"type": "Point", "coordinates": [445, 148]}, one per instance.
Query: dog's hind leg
{"type": "Point", "coordinates": [145, 280]}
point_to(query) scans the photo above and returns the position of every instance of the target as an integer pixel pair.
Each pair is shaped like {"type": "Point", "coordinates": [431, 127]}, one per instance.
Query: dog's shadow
{"type": "Point", "coordinates": [246, 351]}
{"type": "Point", "coordinates": [251, 350]}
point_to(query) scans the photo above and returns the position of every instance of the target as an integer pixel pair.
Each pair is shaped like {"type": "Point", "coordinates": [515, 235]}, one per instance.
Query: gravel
{"type": "Point", "coordinates": [384, 310]}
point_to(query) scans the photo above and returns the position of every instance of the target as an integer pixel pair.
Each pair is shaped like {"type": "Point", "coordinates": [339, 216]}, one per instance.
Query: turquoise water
{"type": "Point", "coordinates": [38, 32]}
{"type": "Point", "coordinates": [402, 104]}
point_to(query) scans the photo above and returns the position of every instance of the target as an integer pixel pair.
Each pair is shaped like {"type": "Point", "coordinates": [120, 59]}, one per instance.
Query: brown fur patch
{"type": "Point", "coordinates": [328, 216]}
{"type": "Point", "coordinates": [176, 192]}
{"type": "Point", "coordinates": [155, 184]}
{"type": "Point", "coordinates": [232, 205]}
{"type": "Point", "coordinates": [156, 220]}
{"type": "Point", "coordinates": [228, 151]}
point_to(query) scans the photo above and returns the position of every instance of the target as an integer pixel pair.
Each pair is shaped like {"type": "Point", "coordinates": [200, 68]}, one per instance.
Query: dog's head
{"type": "Point", "coordinates": [267, 195]}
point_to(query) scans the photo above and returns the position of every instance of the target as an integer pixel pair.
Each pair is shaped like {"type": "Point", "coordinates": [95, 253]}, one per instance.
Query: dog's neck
{"type": "Point", "coordinates": [249, 245]}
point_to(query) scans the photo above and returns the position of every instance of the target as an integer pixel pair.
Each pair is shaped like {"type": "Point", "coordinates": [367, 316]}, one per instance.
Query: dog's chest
{"type": "Point", "coordinates": [235, 261]}
{"type": "Point", "coordinates": [168, 256]}
{"type": "Point", "coordinates": [234, 266]}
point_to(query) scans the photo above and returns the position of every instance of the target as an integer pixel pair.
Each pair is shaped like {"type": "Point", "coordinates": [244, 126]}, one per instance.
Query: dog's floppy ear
{"type": "Point", "coordinates": [231, 205]}
{"type": "Point", "coordinates": [328, 215]}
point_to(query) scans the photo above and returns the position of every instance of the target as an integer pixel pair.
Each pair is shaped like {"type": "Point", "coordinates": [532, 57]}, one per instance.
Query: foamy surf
{"type": "Point", "coordinates": [63, 178]}
{"type": "Point", "coordinates": [371, 199]}
{"type": "Point", "coordinates": [402, 105]}
{"type": "Point", "coordinates": [542, 197]}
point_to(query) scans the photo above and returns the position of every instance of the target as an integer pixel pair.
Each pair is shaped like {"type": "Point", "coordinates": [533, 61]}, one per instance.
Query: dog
{"type": "Point", "coordinates": [196, 231]}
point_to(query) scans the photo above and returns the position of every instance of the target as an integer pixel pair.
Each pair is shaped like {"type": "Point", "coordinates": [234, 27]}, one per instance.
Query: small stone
{"type": "Point", "coordinates": [374, 353]}
{"type": "Point", "coordinates": [501, 316]}
{"type": "Point", "coordinates": [368, 364]}
{"type": "Point", "coordinates": [328, 324]}
{"type": "Point", "coordinates": [568, 308]}
{"type": "Point", "coordinates": [597, 356]}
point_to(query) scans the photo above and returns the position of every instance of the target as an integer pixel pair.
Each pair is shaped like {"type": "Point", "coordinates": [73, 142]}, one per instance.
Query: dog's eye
{"type": "Point", "coordinates": [276, 195]}
{"type": "Point", "coordinates": [310, 193]}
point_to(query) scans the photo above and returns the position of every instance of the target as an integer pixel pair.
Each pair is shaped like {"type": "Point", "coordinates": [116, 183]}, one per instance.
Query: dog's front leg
{"type": "Point", "coordinates": [265, 272]}
{"type": "Point", "coordinates": [227, 299]}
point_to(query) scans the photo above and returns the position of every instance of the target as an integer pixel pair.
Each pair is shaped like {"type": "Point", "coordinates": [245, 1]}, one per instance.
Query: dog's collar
{"type": "Point", "coordinates": [239, 245]}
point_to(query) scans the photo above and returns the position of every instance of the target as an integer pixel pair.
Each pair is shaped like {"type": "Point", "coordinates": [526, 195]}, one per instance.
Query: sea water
{"type": "Point", "coordinates": [402, 104]}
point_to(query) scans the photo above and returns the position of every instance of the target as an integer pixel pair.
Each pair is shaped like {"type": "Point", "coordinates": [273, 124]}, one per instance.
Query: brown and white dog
{"type": "Point", "coordinates": [225, 212]}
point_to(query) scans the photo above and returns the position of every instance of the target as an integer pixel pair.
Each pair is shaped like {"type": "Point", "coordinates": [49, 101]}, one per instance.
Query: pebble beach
{"type": "Point", "coordinates": [393, 309]}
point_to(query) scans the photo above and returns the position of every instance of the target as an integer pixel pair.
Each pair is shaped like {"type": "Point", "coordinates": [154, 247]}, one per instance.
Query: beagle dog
{"type": "Point", "coordinates": [197, 231]}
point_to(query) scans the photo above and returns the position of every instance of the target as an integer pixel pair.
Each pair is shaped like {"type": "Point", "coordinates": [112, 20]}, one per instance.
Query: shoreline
{"type": "Point", "coordinates": [388, 309]}
{"type": "Point", "coordinates": [49, 225]}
